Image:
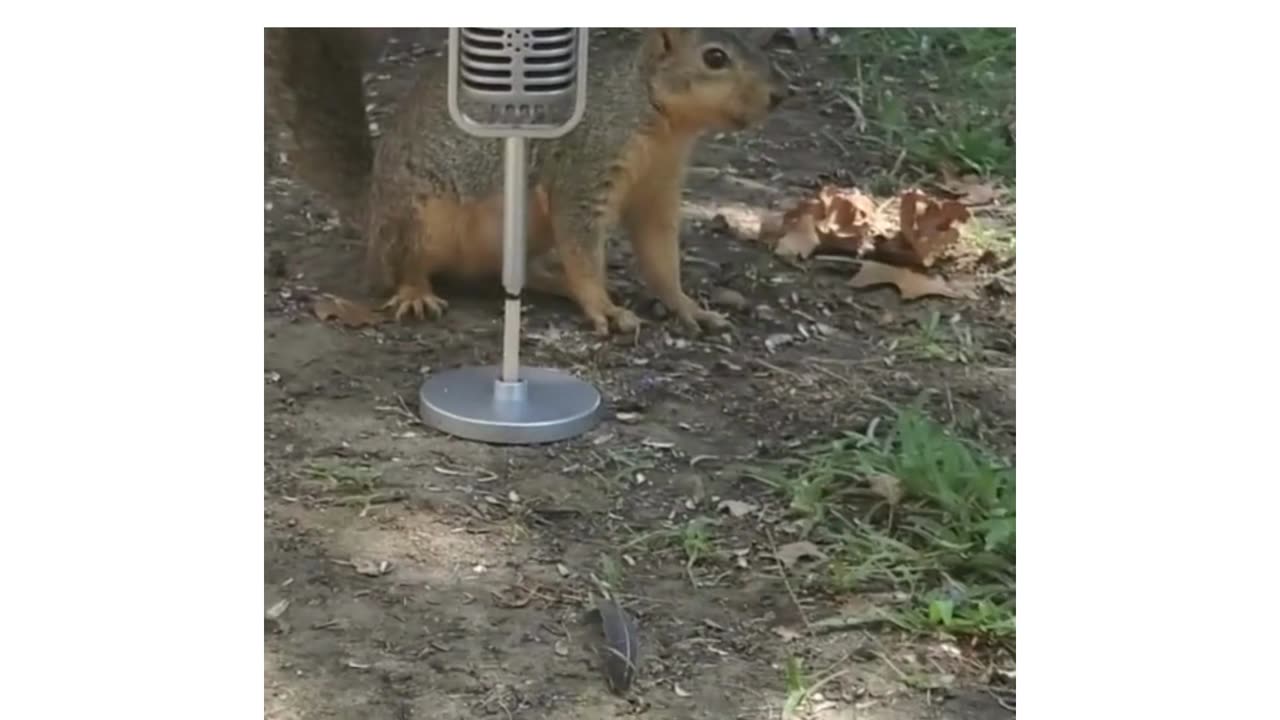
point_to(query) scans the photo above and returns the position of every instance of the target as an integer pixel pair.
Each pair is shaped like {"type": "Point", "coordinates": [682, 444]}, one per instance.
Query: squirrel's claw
{"type": "Point", "coordinates": [417, 303]}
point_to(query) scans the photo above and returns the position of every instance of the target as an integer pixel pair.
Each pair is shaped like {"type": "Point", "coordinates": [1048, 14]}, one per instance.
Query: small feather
{"type": "Point", "coordinates": [622, 648]}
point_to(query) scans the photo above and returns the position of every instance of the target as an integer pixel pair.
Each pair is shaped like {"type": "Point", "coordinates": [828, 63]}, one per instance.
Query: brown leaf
{"type": "Point", "coordinates": [791, 553]}
{"type": "Point", "coordinates": [910, 284]}
{"type": "Point", "coordinates": [800, 240]}
{"type": "Point", "coordinates": [347, 312]}
{"type": "Point", "coordinates": [887, 487]}
{"type": "Point", "coordinates": [739, 222]}
{"type": "Point", "coordinates": [971, 189]}
{"type": "Point", "coordinates": [926, 224]}
{"type": "Point", "coordinates": [849, 220]}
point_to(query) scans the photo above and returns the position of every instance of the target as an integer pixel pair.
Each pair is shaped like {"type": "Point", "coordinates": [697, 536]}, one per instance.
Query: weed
{"type": "Point", "coordinates": [695, 540]}
{"type": "Point", "coordinates": [949, 545]}
{"type": "Point", "coordinates": [797, 684]}
{"type": "Point", "coordinates": [611, 571]}
{"type": "Point", "coordinates": [340, 478]}
{"type": "Point", "coordinates": [944, 97]}
{"type": "Point", "coordinates": [951, 341]}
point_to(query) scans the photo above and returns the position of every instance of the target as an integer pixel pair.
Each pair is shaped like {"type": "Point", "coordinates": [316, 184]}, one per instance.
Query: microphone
{"type": "Point", "coordinates": [518, 84]}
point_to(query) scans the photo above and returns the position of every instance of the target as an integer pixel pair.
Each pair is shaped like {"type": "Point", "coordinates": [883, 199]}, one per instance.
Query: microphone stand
{"type": "Point", "coordinates": [510, 404]}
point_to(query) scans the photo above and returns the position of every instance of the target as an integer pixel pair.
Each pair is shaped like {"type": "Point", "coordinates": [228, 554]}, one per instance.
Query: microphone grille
{"type": "Point", "coordinates": [518, 61]}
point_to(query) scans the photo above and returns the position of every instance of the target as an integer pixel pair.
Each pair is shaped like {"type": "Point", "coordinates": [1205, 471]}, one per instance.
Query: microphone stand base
{"type": "Point", "coordinates": [544, 406]}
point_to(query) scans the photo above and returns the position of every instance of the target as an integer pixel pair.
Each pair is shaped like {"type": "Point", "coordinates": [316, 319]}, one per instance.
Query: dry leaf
{"type": "Point", "coordinates": [275, 611]}
{"type": "Point", "coordinates": [737, 508]}
{"type": "Point", "coordinates": [971, 189]}
{"type": "Point", "coordinates": [910, 284]}
{"type": "Point", "coordinates": [347, 312]}
{"type": "Point", "coordinates": [887, 487]}
{"type": "Point", "coordinates": [849, 221]}
{"type": "Point", "coordinates": [742, 223]}
{"type": "Point", "coordinates": [926, 224]}
{"type": "Point", "coordinates": [786, 633]}
{"type": "Point", "coordinates": [800, 240]}
{"type": "Point", "coordinates": [371, 568]}
{"type": "Point", "coordinates": [792, 553]}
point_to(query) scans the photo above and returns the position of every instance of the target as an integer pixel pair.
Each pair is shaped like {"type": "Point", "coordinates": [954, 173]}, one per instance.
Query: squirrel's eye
{"type": "Point", "coordinates": [715, 58]}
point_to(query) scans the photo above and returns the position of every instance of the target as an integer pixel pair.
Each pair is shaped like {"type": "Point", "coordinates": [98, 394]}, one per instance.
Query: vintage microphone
{"type": "Point", "coordinates": [516, 84]}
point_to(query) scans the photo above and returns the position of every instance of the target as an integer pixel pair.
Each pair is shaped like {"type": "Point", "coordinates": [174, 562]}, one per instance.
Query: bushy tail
{"type": "Point", "coordinates": [315, 94]}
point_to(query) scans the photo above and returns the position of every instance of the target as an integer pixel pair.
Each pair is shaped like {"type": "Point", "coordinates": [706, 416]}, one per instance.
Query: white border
{"type": "Point", "coordinates": [133, 530]}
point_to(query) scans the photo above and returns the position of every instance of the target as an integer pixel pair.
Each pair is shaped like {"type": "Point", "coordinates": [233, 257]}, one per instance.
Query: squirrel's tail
{"type": "Point", "coordinates": [315, 93]}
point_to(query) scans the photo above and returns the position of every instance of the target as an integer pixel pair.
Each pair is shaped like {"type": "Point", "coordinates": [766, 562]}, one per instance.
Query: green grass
{"type": "Point", "coordinates": [948, 544]}
{"type": "Point", "coordinates": [937, 97]}
{"type": "Point", "coordinates": [936, 339]}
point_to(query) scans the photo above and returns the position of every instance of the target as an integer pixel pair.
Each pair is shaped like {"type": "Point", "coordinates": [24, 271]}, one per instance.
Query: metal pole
{"type": "Point", "coordinates": [514, 227]}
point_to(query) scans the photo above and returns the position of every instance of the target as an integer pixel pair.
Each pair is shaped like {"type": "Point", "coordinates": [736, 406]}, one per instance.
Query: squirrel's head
{"type": "Point", "coordinates": [711, 78]}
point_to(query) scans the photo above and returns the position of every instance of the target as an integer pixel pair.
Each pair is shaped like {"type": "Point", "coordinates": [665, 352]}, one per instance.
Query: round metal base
{"type": "Point", "coordinates": [545, 406]}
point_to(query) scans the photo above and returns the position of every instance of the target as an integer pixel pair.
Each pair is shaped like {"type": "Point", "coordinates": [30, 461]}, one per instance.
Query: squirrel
{"type": "Point", "coordinates": [428, 197]}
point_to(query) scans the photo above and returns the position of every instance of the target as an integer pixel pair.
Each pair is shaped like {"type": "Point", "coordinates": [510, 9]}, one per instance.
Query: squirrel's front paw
{"type": "Point", "coordinates": [696, 319]}
{"type": "Point", "coordinates": [417, 302]}
{"type": "Point", "coordinates": [613, 318]}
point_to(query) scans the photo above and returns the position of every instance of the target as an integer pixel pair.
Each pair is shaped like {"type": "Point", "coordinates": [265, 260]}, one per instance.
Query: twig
{"type": "Point", "coordinates": [842, 623]}
{"type": "Point", "coordinates": [832, 373]}
{"type": "Point", "coordinates": [1004, 704]}
{"type": "Point", "coordinates": [897, 164]}
{"type": "Point", "coordinates": [780, 370]}
{"type": "Point", "coordinates": [835, 141]}
{"type": "Point", "coordinates": [773, 549]}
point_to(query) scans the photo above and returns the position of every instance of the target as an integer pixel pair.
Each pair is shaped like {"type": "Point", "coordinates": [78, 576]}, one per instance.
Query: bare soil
{"type": "Point", "coordinates": [428, 577]}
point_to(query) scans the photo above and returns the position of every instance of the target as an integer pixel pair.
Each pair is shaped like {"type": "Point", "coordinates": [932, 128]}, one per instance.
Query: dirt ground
{"type": "Point", "coordinates": [426, 577]}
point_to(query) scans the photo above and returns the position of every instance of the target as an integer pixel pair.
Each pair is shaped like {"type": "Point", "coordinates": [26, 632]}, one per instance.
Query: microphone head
{"type": "Point", "coordinates": [528, 82]}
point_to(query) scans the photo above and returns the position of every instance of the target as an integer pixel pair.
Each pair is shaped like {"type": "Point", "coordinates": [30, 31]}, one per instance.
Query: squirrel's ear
{"type": "Point", "coordinates": [669, 40]}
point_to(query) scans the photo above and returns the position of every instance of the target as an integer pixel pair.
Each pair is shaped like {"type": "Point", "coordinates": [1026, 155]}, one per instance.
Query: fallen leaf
{"type": "Point", "coordinates": [800, 240]}
{"type": "Point", "coordinates": [849, 222]}
{"type": "Point", "coordinates": [772, 227]}
{"type": "Point", "coordinates": [886, 486]}
{"type": "Point", "coordinates": [926, 224]}
{"type": "Point", "coordinates": [739, 222]}
{"type": "Point", "coordinates": [786, 633]}
{"type": "Point", "coordinates": [792, 553]}
{"type": "Point", "coordinates": [347, 312]}
{"type": "Point", "coordinates": [910, 284]}
{"type": "Point", "coordinates": [737, 508]}
{"type": "Point", "coordinates": [680, 692]}
{"type": "Point", "coordinates": [275, 611]}
{"type": "Point", "coordinates": [777, 340]}
{"type": "Point", "coordinates": [371, 568]}
{"type": "Point", "coordinates": [970, 189]}
{"type": "Point", "coordinates": [561, 648]}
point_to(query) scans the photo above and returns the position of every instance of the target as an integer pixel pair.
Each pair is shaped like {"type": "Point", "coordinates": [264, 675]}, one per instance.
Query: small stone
{"type": "Point", "coordinates": [728, 298]}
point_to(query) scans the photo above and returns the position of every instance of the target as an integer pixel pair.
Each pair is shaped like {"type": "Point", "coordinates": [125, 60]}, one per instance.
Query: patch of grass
{"type": "Point", "coordinates": [936, 339]}
{"type": "Point", "coordinates": [936, 96]}
{"type": "Point", "coordinates": [695, 540]}
{"type": "Point", "coordinates": [948, 542]}
{"type": "Point", "coordinates": [797, 684]}
{"type": "Point", "coordinates": [611, 571]}
{"type": "Point", "coordinates": [341, 478]}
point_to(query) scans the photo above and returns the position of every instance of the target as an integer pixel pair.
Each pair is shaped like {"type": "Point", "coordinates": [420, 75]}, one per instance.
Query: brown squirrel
{"type": "Point", "coordinates": [429, 198]}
